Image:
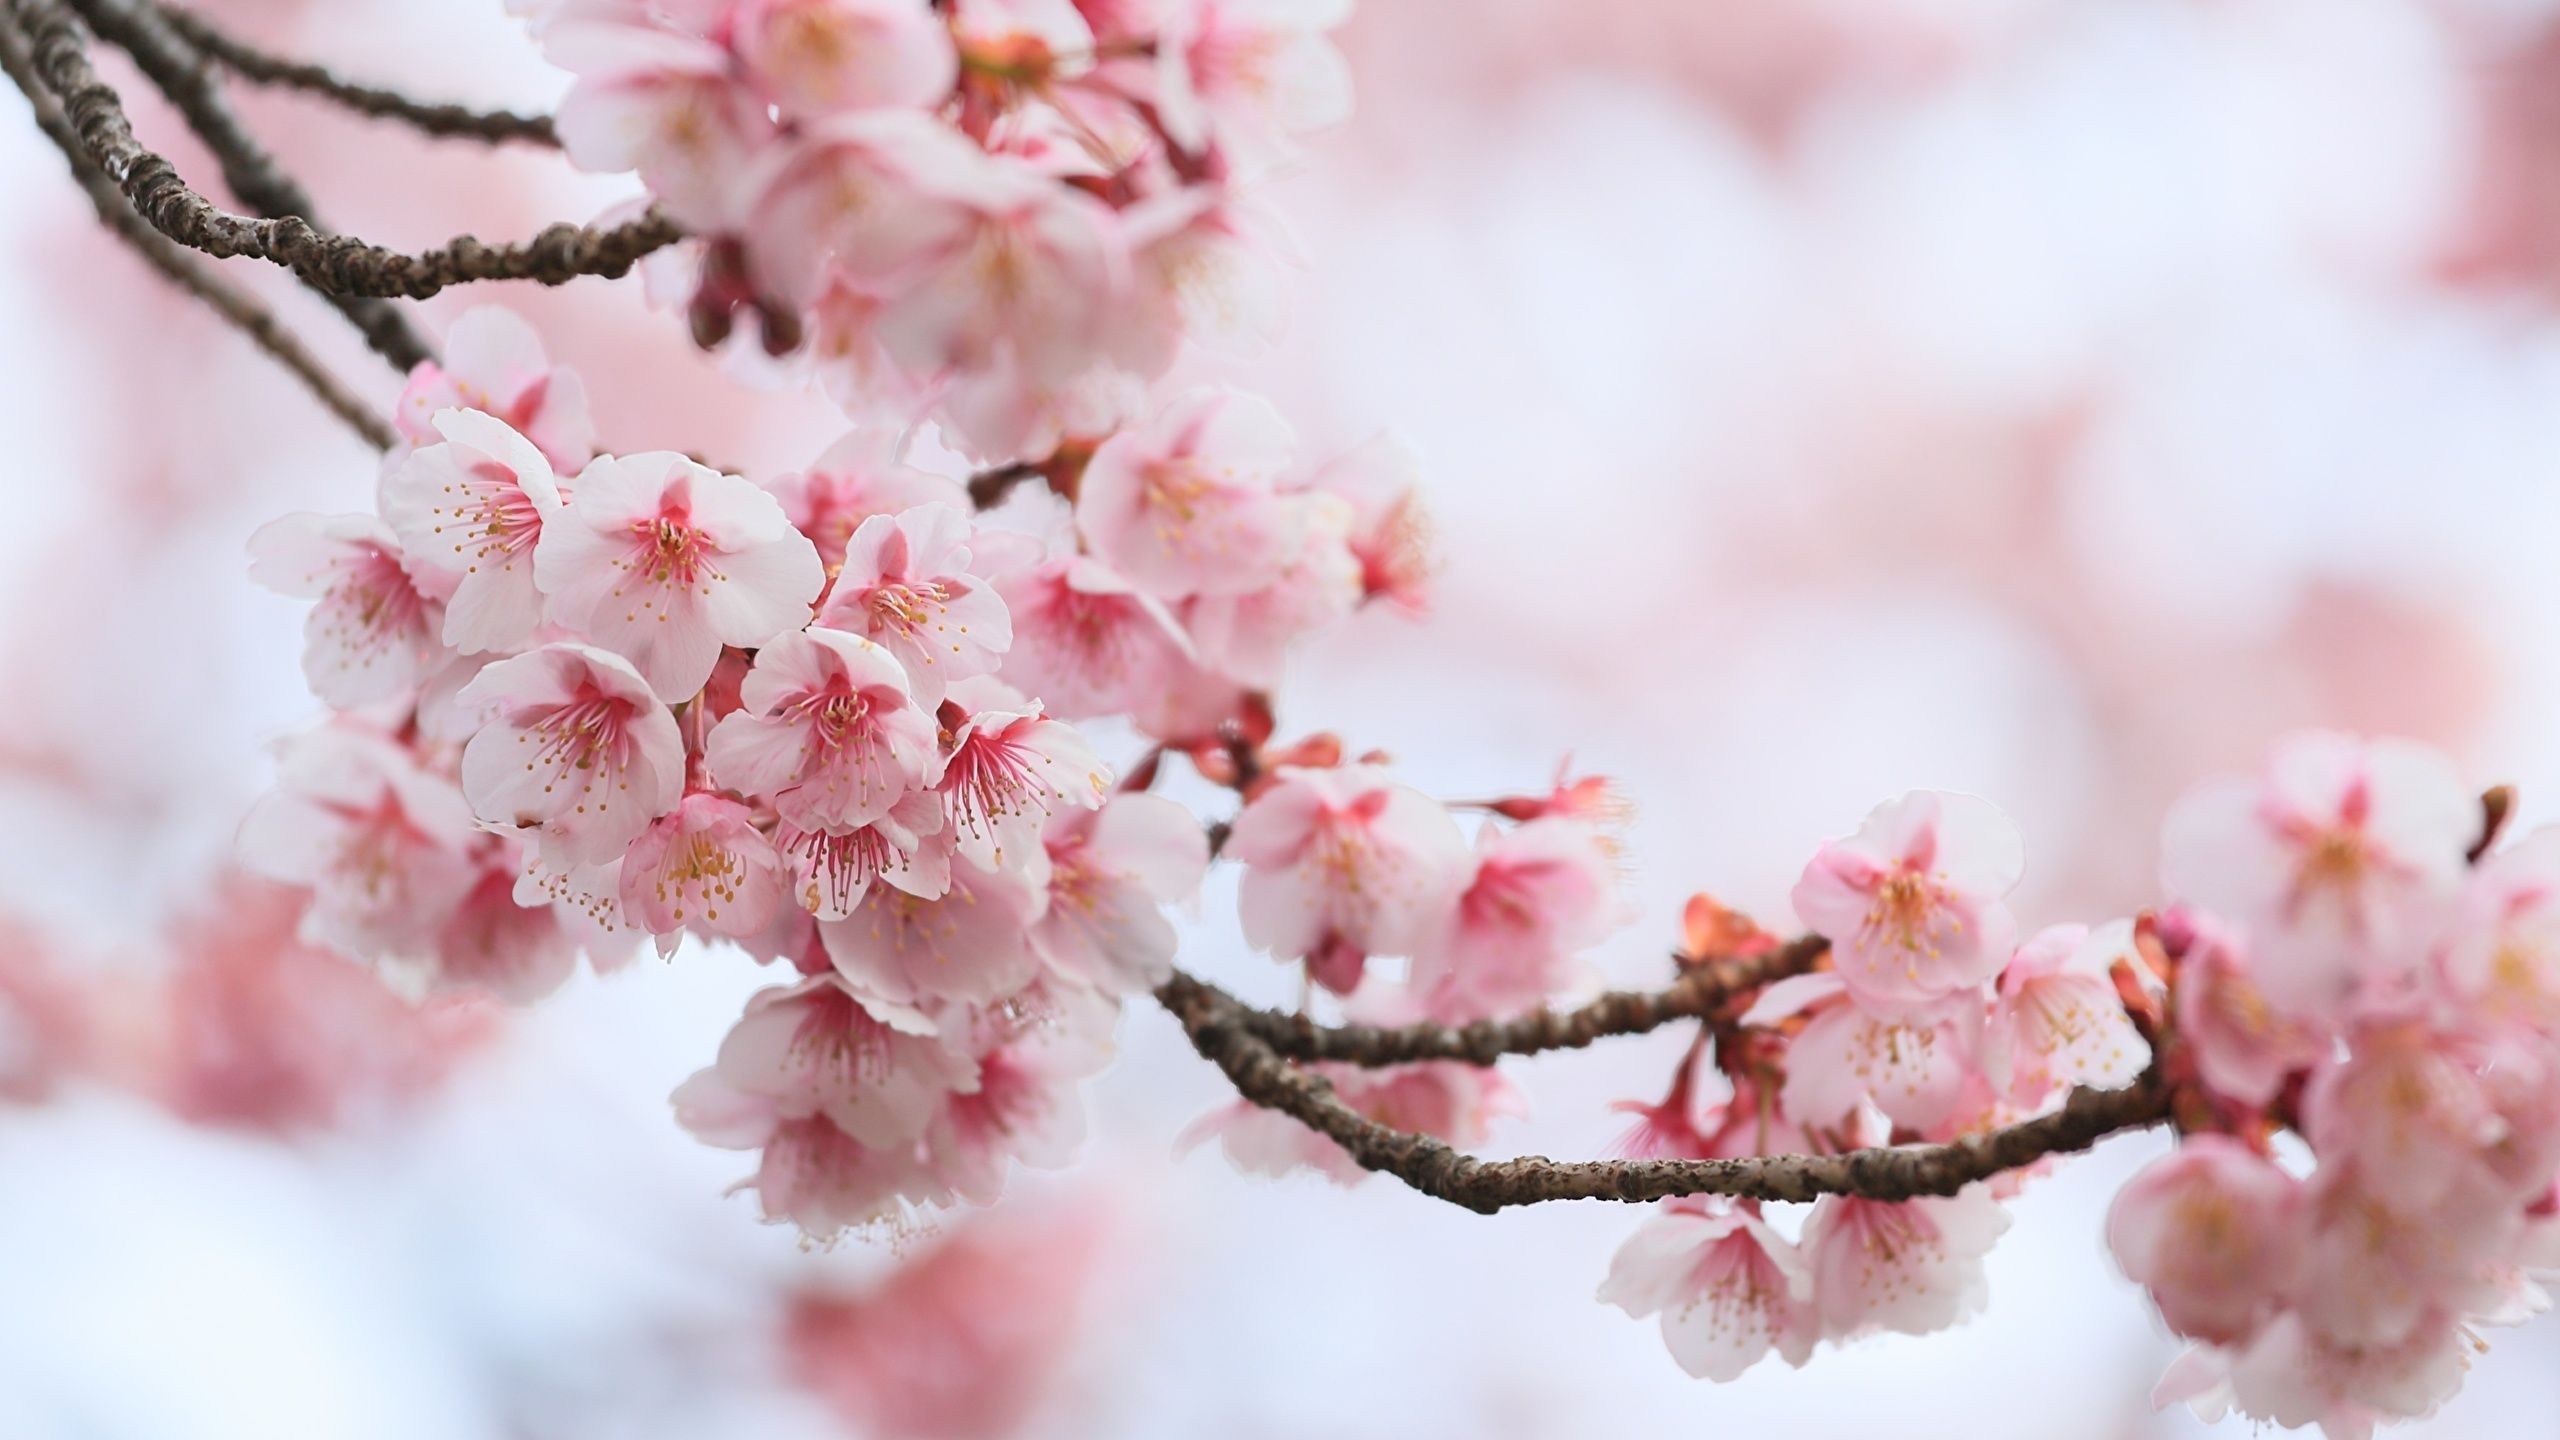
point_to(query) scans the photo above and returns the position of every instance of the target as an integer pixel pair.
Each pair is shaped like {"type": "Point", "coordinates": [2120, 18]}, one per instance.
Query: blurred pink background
{"type": "Point", "coordinates": [2053, 399]}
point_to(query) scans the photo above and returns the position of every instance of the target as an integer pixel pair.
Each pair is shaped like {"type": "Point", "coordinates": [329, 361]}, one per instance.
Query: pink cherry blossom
{"type": "Point", "coordinates": [831, 870]}
{"type": "Point", "coordinates": [1380, 479]}
{"type": "Point", "coordinates": [662, 104]}
{"type": "Point", "coordinates": [815, 1048]}
{"type": "Point", "coordinates": [2407, 1108]}
{"type": "Point", "coordinates": [810, 1171]}
{"type": "Point", "coordinates": [2059, 1022]}
{"type": "Point", "coordinates": [1006, 770]}
{"type": "Point", "coordinates": [252, 1030]}
{"type": "Point", "coordinates": [1255, 73]}
{"type": "Point", "coordinates": [968, 944]}
{"type": "Point", "coordinates": [1031, 37]}
{"type": "Point", "coordinates": [496, 944]}
{"type": "Point", "coordinates": [2293, 1376]}
{"type": "Point", "coordinates": [2243, 1047]}
{"type": "Point", "coordinates": [1249, 636]}
{"type": "Point", "coordinates": [865, 198]}
{"type": "Point", "coordinates": [1912, 1266]}
{"type": "Point", "coordinates": [2374, 1269]}
{"type": "Point", "coordinates": [664, 561]}
{"type": "Point", "coordinates": [2503, 958]}
{"type": "Point", "coordinates": [1912, 902]}
{"type": "Point", "coordinates": [1204, 270]}
{"type": "Point", "coordinates": [373, 635]}
{"type": "Point", "coordinates": [856, 478]}
{"type": "Point", "coordinates": [828, 732]}
{"type": "Point", "coordinates": [909, 585]}
{"type": "Point", "coordinates": [494, 363]}
{"type": "Point", "coordinates": [1026, 1107]}
{"type": "Point", "coordinates": [815, 58]}
{"type": "Point", "coordinates": [1087, 641]}
{"type": "Point", "coordinates": [474, 506]}
{"type": "Point", "coordinates": [580, 754]}
{"type": "Point", "coordinates": [384, 845]}
{"type": "Point", "coordinates": [1344, 862]}
{"type": "Point", "coordinates": [705, 865]}
{"type": "Point", "coordinates": [1728, 1288]}
{"type": "Point", "coordinates": [968, 1339]}
{"type": "Point", "coordinates": [2340, 863]}
{"type": "Point", "coordinates": [1187, 504]}
{"type": "Point", "coordinates": [2213, 1231]}
{"type": "Point", "coordinates": [1111, 872]}
{"type": "Point", "coordinates": [1540, 894]}
{"type": "Point", "coordinates": [1916, 1067]}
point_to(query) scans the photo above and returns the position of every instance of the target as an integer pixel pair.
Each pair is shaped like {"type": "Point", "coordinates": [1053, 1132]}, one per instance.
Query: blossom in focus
{"type": "Point", "coordinates": [1729, 1289]}
{"type": "Point", "coordinates": [908, 585]}
{"type": "Point", "coordinates": [495, 364]}
{"type": "Point", "coordinates": [2058, 1021]}
{"type": "Point", "coordinates": [968, 944]}
{"type": "Point", "coordinates": [826, 731]}
{"type": "Point", "coordinates": [854, 479]}
{"type": "Point", "coordinates": [1087, 641]}
{"type": "Point", "coordinates": [1343, 864]}
{"type": "Point", "coordinates": [703, 865]}
{"type": "Point", "coordinates": [1912, 903]}
{"type": "Point", "coordinates": [1006, 770]}
{"type": "Point", "coordinates": [1912, 1266]}
{"type": "Point", "coordinates": [579, 754]}
{"type": "Point", "coordinates": [474, 506]}
{"type": "Point", "coordinates": [1111, 873]}
{"type": "Point", "coordinates": [373, 634]}
{"type": "Point", "coordinates": [1540, 894]}
{"type": "Point", "coordinates": [664, 561]}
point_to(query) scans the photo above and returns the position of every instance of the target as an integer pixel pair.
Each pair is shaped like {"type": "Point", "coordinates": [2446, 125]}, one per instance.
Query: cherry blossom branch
{"type": "Point", "coordinates": [335, 263]}
{"type": "Point", "coordinates": [284, 73]}
{"type": "Point", "coordinates": [188, 78]}
{"type": "Point", "coordinates": [1224, 1032]}
{"type": "Point", "coordinates": [1704, 988]}
{"type": "Point", "coordinates": [182, 269]}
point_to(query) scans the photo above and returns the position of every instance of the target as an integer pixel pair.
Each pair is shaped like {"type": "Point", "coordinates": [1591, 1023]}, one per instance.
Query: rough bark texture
{"type": "Point", "coordinates": [182, 269]}
{"type": "Point", "coordinates": [1222, 1031]}
{"type": "Point", "coordinates": [188, 78]}
{"type": "Point", "coordinates": [1705, 987]}
{"type": "Point", "coordinates": [338, 264]}
{"type": "Point", "coordinates": [260, 67]}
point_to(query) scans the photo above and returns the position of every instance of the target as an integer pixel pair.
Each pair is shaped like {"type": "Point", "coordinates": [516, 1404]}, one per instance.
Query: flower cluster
{"type": "Point", "coordinates": [2356, 1003]}
{"type": "Point", "coordinates": [2368, 1029]}
{"type": "Point", "coordinates": [1931, 1022]}
{"type": "Point", "coordinates": [1343, 865]}
{"type": "Point", "coordinates": [585, 698]}
{"type": "Point", "coordinates": [1006, 215]}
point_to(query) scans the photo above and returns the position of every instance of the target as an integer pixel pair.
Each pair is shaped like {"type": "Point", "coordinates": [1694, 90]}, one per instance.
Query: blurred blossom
{"type": "Point", "coordinates": [1822, 401]}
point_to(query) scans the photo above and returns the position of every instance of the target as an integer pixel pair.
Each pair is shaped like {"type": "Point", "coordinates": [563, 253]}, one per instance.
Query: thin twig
{"type": "Point", "coordinates": [1221, 1031]}
{"type": "Point", "coordinates": [988, 488]}
{"type": "Point", "coordinates": [188, 78]}
{"type": "Point", "coordinates": [261, 67]}
{"type": "Point", "coordinates": [336, 263]}
{"type": "Point", "coordinates": [252, 318]}
{"type": "Point", "coordinates": [1703, 988]}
